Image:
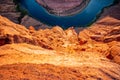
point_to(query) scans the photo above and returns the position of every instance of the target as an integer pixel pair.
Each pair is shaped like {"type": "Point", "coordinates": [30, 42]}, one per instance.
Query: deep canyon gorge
{"type": "Point", "coordinates": [74, 15]}
{"type": "Point", "coordinates": [31, 50]}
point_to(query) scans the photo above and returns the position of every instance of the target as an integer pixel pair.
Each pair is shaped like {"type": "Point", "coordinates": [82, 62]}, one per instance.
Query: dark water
{"type": "Point", "coordinates": [82, 18]}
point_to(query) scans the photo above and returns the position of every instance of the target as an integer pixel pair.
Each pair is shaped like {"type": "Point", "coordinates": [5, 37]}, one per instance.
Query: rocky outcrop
{"type": "Point", "coordinates": [8, 9]}
{"type": "Point", "coordinates": [56, 38]}
{"type": "Point", "coordinates": [114, 51]}
{"type": "Point", "coordinates": [108, 33]}
{"type": "Point", "coordinates": [112, 11]}
{"type": "Point", "coordinates": [29, 21]}
{"type": "Point", "coordinates": [63, 7]}
{"type": "Point", "coordinates": [49, 38]}
{"type": "Point", "coordinates": [6, 1]}
{"type": "Point", "coordinates": [59, 53]}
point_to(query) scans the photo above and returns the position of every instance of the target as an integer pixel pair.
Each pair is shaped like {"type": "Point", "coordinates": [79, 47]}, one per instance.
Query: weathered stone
{"type": "Point", "coordinates": [63, 7]}
{"type": "Point", "coordinates": [8, 9]}
{"type": "Point", "coordinates": [6, 1]}
{"type": "Point", "coordinates": [29, 21]}
{"type": "Point", "coordinates": [12, 16]}
{"type": "Point", "coordinates": [58, 52]}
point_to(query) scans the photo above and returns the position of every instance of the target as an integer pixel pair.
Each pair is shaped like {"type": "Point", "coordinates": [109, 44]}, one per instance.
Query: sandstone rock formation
{"type": "Point", "coordinates": [108, 33]}
{"type": "Point", "coordinates": [55, 54]}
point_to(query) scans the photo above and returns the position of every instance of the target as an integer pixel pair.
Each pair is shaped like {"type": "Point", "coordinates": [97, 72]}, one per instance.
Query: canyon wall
{"type": "Point", "coordinates": [8, 9]}
{"type": "Point", "coordinates": [63, 7]}
{"type": "Point", "coordinates": [56, 54]}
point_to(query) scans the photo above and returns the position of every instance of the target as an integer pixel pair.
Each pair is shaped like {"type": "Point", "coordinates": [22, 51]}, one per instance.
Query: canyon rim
{"type": "Point", "coordinates": [52, 53]}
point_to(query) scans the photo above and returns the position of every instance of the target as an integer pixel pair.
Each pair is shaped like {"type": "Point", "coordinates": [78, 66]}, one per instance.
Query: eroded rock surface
{"type": "Point", "coordinates": [29, 21]}
{"type": "Point", "coordinates": [51, 72]}
{"type": "Point", "coordinates": [63, 7]}
{"type": "Point", "coordinates": [108, 33]}
{"type": "Point", "coordinates": [8, 9]}
{"type": "Point", "coordinates": [56, 53]}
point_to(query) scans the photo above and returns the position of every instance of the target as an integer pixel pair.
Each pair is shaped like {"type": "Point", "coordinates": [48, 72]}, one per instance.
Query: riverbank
{"type": "Point", "coordinates": [65, 9]}
{"type": "Point", "coordinates": [29, 21]}
{"type": "Point", "coordinates": [79, 19]}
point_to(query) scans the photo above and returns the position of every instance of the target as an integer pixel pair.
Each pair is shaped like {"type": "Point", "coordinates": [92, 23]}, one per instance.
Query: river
{"type": "Point", "coordinates": [83, 18]}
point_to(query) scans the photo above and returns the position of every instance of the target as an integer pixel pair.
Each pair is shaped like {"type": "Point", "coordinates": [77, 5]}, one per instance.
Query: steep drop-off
{"type": "Point", "coordinates": [8, 9]}
{"type": "Point", "coordinates": [55, 53]}
{"type": "Point", "coordinates": [63, 7]}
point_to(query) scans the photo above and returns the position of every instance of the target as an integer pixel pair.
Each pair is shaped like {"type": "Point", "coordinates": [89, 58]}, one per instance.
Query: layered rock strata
{"type": "Point", "coordinates": [8, 9]}
{"type": "Point", "coordinates": [112, 11]}
{"type": "Point", "coordinates": [29, 21]}
{"type": "Point", "coordinates": [10, 12]}
{"type": "Point", "coordinates": [58, 54]}
{"type": "Point", "coordinates": [63, 7]}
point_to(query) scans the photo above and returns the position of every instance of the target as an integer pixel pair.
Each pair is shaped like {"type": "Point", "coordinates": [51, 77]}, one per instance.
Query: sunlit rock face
{"type": "Point", "coordinates": [63, 7]}
{"type": "Point", "coordinates": [57, 54]}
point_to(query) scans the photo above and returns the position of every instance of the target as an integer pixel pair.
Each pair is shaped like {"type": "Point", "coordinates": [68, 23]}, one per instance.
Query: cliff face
{"type": "Point", "coordinates": [63, 7]}
{"type": "Point", "coordinates": [29, 21]}
{"type": "Point", "coordinates": [108, 33]}
{"type": "Point", "coordinates": [56, 53]}
{"type": "Point", "coordinates": [112, 11]}
{"type": "Point", "coordinates": [8, 9]}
